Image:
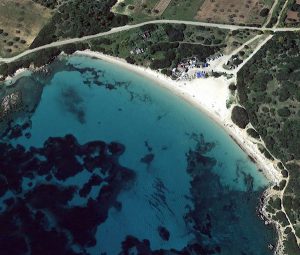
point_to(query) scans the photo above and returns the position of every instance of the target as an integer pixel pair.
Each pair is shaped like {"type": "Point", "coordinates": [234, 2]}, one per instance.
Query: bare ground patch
{"type": "Point", "coordinates": [232, 11]}
{"type": "Point", "coordinates": [161, 6]}
{"type": "Point", "coordinates": [292, 17]}
{"type": "Point", "coordinates": [20, 22]}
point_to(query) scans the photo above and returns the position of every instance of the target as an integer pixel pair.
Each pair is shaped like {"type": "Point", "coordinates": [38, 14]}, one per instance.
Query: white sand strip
{"type": "Point", "coordinates": [209, 95]}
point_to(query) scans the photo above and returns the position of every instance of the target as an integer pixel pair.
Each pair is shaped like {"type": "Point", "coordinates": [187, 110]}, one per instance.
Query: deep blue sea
{"type": "Point", "coordinates": [105, 161]}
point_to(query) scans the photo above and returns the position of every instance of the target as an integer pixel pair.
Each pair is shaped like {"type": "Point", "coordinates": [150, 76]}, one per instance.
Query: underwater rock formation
{"type": "Point", "coordinates": [40, 217]}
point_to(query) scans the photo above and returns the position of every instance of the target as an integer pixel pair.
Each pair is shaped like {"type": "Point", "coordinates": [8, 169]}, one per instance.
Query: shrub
{"type": "Point", "coordinates": [284, 112]}
{"type": "Point", "coordinates": [290, 245]}
{"type": "Point", "coordinates": [264, 12]}
{"type": "Point", "coordinates": [4, 69]}
{"type": "Point", "coordinates": [232, 87]}
{"type": "Point", "coordinates": [69, 48]}
{"type": "Point", "coordinates": [281, 217]}
{"type": "Point", "coordinates": [130, 60]}
{"type": "Point", "coordinates": [285, 173]}
{"type": "Point", "coordinates": [275, 203]}
{"type": "Point", "coordinates": [253, 133]}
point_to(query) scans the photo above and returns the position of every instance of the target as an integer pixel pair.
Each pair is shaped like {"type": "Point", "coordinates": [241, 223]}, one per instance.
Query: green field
{"type": "Point", "coordinates": [183, 9]}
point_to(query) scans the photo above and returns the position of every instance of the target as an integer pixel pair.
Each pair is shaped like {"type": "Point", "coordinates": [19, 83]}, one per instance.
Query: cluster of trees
{"type": "Point", "coordinates": [169, 57]}
{"type": "Point", "coordinates": [295, 7]}
{"type": "Point", "coordinates": [175, 33]}
{"type": "Point", "coordinates": [174, 53]}
{"type": "Point", "coordinates": [265, 81]}
{"type": "Point", "coordinates": [78, 18]}
{"type": "Point", "coordinates": [47, 3]}
{"type": "Point", "coordinates": [200, 51]}
{"type": "Point", "coordinates": [37, 59]}
{"type": "Point", "coordinates": [290, 137]}
{"type": "Point", "coordinates": [268, 87]}
{"type": "Point", "coordinates": [252, 132]}
{"type": "Point", "coordinates": [290, 245]}
{"type": "Point", "coordinates": [167, 53]}
{"type": "Point", "coordinates": [240, 116]}
{"type": "Point", "coordinates": [40, 58]}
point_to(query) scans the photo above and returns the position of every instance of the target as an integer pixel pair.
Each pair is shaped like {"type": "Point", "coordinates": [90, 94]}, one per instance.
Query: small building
{"type": "Point", "coordinates": [146, 35]}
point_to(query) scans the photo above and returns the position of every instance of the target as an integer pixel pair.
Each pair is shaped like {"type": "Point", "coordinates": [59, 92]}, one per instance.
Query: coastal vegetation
{"type": "Point", "coordinates": [268, 87]}
{"type": "Point", "coordinates": [160, 47]}
{"type": "Point", "coordinates": [240, 117]}
{"type": "Point", "coordinates": [39, 59]}
{"type": "Point", "coordinates": [163, 47]}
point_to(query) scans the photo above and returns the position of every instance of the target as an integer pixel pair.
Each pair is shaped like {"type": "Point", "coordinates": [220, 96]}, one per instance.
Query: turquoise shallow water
{"type": "Point", "coordinates": [192, 185]}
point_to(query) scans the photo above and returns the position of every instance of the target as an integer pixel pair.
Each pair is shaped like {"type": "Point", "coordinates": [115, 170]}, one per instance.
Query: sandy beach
{"type": "Point", "coordinates": [210, 96]}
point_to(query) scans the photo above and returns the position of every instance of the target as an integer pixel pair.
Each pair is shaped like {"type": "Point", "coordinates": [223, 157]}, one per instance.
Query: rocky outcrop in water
{"type": "Point", "coordinates": [40, 217]}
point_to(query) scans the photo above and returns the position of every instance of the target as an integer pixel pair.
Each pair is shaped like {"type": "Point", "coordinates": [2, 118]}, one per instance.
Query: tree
{"type": "Point", "coordinates": [264, 12]}
{"type": "Point", "coordinates": [130, 60]}
{"type": "Point", "coordinates": [4, 69]}
{"type": "Point", "coordinates": [284, 112]}
{"type": "Point", "coordinates": [240, 116]}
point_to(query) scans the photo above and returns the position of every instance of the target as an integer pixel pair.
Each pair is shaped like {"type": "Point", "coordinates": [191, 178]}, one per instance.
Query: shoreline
{"type": "Point", "coordinates": [208, 95]}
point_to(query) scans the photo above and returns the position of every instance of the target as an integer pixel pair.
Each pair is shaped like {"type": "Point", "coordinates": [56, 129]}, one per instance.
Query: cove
{"type": "Point", "coordinates": [111, 163]}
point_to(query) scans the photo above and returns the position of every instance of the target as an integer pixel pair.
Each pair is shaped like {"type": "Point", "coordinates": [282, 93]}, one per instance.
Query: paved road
{"type": "Point", "coordinates": [128, 27]}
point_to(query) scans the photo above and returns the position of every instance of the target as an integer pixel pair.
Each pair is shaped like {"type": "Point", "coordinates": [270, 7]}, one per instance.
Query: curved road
{"type": "Point", "coordinates": [128, 27]}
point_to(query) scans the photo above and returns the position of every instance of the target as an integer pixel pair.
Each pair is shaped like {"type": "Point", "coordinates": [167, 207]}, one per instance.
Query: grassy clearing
{"type": "Point", "coordinates": [183, 9]}
{"type": "Point", "coordinates": [237, 38]}
{"type": "Point", "coordinates": [205, 36]}
{"type": "Point", "coordinates": [276, 12]}
{"type": "Point", "coordinates": [20, 22]}
{"type": "Point", "coordinates": [144, 10]}
{"type": "Point", "coordinates": [137, 9]}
